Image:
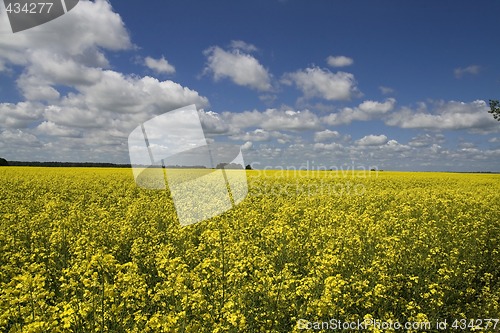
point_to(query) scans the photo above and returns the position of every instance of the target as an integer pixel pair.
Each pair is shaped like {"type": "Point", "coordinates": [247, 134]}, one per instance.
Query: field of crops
{"type": "Point", "coordinates": [85, 250]}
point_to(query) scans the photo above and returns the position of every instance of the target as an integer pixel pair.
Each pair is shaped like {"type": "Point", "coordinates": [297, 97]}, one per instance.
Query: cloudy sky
{"type": "Point", "coordinates": [401, 85]}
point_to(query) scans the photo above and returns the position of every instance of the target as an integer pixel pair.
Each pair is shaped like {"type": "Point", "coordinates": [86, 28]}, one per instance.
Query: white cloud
{"type": "Point", "coordinates": [51, 129]}
{"type": "Point", "coordinates": [325, 135]}
{"type": "Point", "coordinates": [283, 138]}
{"type": "Point", "coordinates": [18, 138]}
{"type": "Point", "coordinates": [471, 70]}
{"type": "Point", "coordinates": [213, 123]}
{"type": "Point", "coordinates": [367, 110]}
{"type": "Point", "coordinates": [46, 70]}
{"type": "Point", "coordinates": [245, 119]}
{"type": "Point", "coordinates": [262, 126]}
{"type": "Point", "coordinates": [290, 120]}
{"type": "Point", "coordinates": [120, 93]}
{"type": "Point", "coordinates": [246, 146]}
{"type": "Point", "coordinates": [75, 58]}
{"type": "Point", "coordinates": [66, 51]}
{"type": "Point", "coordinates": [79, 35]}
{"type": "Point", "coordinates": [374, 107]}
{"type": "Point", "coordinates": [395, 146]}
{"type": "Point", "coordinates": [375, 151]}
{"type": "Point", "coordinates": [76, 108]}
{"type": "Point", "coordinates": [386, 90]}
{"type": "Point", "coordinates": [36, 88]}
{"type": "Point", "coordinates": [20, 115]}
{"type": "Point", "coordinates": [241, 45]}
{"type": "Point", "coordinates": [261, 135]}
{"type": "Point", "coordinates": [467, 145]}
{"type": "Point", "coordinates": [256, 135]}
{"type": "Point", "coordinates": [274, 119]}
{"type": "Point", "coordinates": [62, 70]}
{"type": "Point", "coordinates": [159, 65]}
{"type": "Point", "coordinates": [372, 140]}
{"type": "Point", "coordinates": [317, 82]}
{"type": "Point", "coordinates": [339, 61]}
{"type": "Point", "coordinates": [426, 140]}
{"type": "Point", "coordinates": [241, 68]}
{"type": "Point", "coordinates": [77, 117]}
{"type": "Point", "coordinates": [445, 115]}
{"type": "Point", "coordinates": [327, 146]}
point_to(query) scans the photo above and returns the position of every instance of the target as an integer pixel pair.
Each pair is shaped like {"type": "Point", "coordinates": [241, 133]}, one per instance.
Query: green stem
{"type": "Point", "coordinates": [223, 301]}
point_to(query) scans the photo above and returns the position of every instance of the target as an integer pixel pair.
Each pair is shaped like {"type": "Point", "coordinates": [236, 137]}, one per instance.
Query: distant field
{"type": "Point", "coordinates": [86, 250]}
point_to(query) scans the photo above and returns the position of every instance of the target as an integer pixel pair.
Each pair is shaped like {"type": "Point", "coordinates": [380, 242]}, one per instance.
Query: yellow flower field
{"type": "Point", "coordinates": [86, 250]}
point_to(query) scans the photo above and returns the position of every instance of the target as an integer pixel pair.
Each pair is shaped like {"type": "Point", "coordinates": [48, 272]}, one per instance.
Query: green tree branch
{"type": "Point", "coordinates": [495, 109]}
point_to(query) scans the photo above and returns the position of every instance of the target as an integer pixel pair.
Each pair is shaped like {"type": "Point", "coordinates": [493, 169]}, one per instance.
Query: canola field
{"type": "Point", "coordinates": [86, 250]}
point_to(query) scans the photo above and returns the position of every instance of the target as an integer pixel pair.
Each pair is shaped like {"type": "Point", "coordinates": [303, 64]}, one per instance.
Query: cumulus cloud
{"type": "Point", "coordinates": [367, 110]}
{"type": "Point", "coordinates": [471, 70]}
{"type": "Point", "coordinates": [374, 107]}
{"type": "Point", "coordinates": [19, 138]}
{"type": "Point", "coordinates": [213, 123]}
{"type": "Point", "coordinates": [76, 60]}
{"type": "Point", "coordinates": [129, 94]}
{"type": "Point", "coordinates": [376, 151]}
{"type": "Point", "coordinates": [79, 34]}
{"type": "Point", "coordinates": [327, 146]}
{"type": "Point", "coordinates": [317, 82]}
{"type": "Point", "coordinates": [59, 69]}
{"type": "Point", "coordinates": [395, 146]}
{"type": "Point", "coordinates": [290, 120]}
{"type": "Point", "coordinates": [240, 67]}
{"type": "Point", "coordinates": [325, 135]}
{"type": "Point", "coordinates": [51, 129]}
{"type": "Point", "coordinates": [426, 140]}
{"type": "Point", "coordinates": [256, 135]}
{"type": "Point", "coordinates": [243, 46]}
{"type": "Point", "coordinates": [74, 106]}
{"type": "Point", "coordinates": [261, 135]}
{"type": "Point", "coordinates": [284, 138]}
{"type": "Point", "coordinates": [261, 126]}
{"type": "Point", "coordinates": [75, 117]}
{"type": "Point", "coordinates": [247, 146]}
{"type": "Point", "coordinates": [159, 65]}
{"type": "Point", "coordinates": [45, 70]}
{"type": "Point", "coordinates": [339, 61]}
{"type": "Point", "coordinates": [372, 140]}
{"type": "Point", "coordinates": [20, 115]}
{"type": "Point", "coordinates": [274, 119]}
{"type": "Point", "coordinates": [451, 115]}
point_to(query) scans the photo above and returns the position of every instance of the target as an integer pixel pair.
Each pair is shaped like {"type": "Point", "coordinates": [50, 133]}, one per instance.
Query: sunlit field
{"type": "Point", "coordinates": [86, 250]}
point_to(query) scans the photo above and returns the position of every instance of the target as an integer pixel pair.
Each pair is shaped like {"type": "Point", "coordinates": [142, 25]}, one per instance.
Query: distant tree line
{"type": "Point", "coordinates": [185, 167]}
{"type": "Point", "coordinates": [229, 166]}
{"type": "Point", "coordinates": [4, 162]}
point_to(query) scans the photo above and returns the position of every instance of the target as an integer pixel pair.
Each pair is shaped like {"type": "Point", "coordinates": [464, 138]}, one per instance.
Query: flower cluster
{"type": "Point", "coordinates": [85, 250]}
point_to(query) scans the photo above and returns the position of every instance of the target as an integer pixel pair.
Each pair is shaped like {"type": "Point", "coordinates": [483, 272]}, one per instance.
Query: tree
{"type": "Point", "coordinates": [3, 162]}
{"type": "Point", "coordinates": [223, 165]}
{"type": "Point", "coordinates": [495, 109]}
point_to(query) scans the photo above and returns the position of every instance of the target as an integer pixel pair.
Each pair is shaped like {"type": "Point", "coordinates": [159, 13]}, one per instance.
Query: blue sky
{"type": "Point", "coordinates": [399, 85]}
